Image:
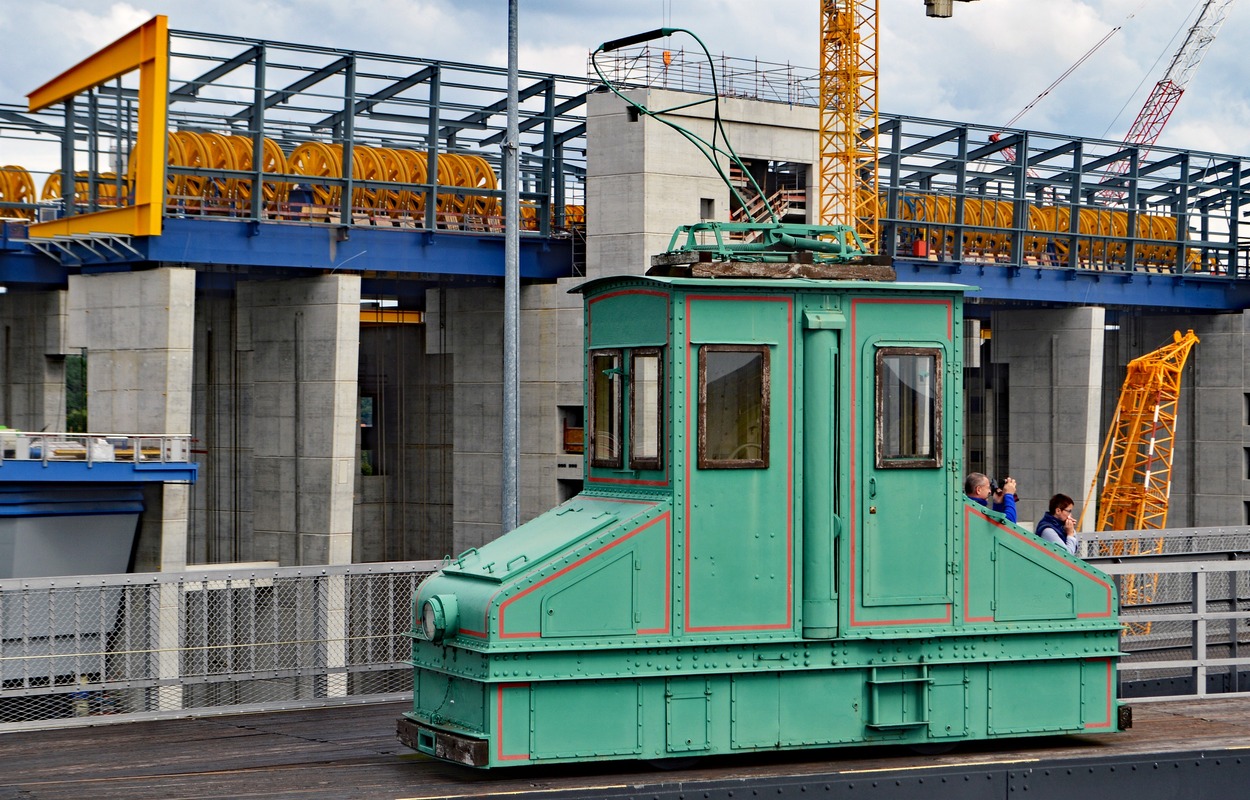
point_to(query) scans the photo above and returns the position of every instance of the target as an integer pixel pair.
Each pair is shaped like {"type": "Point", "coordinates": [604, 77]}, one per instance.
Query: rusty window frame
{"type": "Point", "coordinates": [636, 461]}
{"type": "Point", "coordinates": [909, 460]}
{"type": "Point", "coordinates": [613, 458]}
{"type": "Point", "coordinates": [760, 462]}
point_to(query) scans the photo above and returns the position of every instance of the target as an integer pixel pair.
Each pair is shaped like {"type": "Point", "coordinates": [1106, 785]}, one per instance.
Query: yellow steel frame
{"type": "Point", "coordinates": [146, 49]}
{"type": "Point", "coordinates": [1139, 464]}
{"type": "Point", "coordinates": [390, 316]}
{"type": "Point", "coordinates": [849, 113]}
{"type": "Point", "coordinates": [1138, 450]}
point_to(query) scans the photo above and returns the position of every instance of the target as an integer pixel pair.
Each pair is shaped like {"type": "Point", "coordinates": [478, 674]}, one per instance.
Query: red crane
{"type": "Point", "coordinates": [1167, 92]}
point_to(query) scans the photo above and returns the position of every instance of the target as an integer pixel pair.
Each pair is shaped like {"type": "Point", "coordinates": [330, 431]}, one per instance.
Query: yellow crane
{"type": "Point", "coordinates": [1138, 457]}
{"type": "Point", "coordinates": [1139, 444]}
{"type": "Point", "coordinates": [849, 113]}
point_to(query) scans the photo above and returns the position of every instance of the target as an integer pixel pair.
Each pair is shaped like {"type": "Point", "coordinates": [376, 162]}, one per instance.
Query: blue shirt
{"type": "Point", "coordinates": [1007, 507]}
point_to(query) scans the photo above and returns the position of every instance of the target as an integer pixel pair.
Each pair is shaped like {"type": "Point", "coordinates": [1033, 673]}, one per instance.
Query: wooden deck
{"type": "Point", "coordinates": [352, 752]}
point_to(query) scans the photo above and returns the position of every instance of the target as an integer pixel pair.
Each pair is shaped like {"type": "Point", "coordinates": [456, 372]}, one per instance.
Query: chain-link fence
{"type": "Point", "coordinates": [76, 649]}
{"type": "Point", "coordinates": [1185, 604]}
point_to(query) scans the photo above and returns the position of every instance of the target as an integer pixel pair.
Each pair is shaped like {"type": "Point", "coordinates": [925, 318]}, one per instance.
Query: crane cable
{"type": "Point", "coordinates": [1168, 48]}
{"type": "Point", "coordinates": [1088, 53]}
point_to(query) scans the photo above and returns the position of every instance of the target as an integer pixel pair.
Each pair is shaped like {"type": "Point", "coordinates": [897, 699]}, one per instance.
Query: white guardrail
{"type": "Point", "coordinates": [93, 447]}
{"type": "Point", "coordinates": [1185, 605]}
{"type": "Point", "coordinates": [84, 650]}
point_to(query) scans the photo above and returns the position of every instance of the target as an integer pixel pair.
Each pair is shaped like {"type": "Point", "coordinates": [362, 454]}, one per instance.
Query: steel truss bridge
{"type": "Point", "coordinates": [390, 166]}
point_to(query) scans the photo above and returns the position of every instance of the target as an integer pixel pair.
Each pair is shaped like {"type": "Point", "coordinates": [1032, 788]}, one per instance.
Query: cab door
{"type": "Point", "coordinates": [739, 571]}
{"type": "Point", "coordinates": [902, 559]}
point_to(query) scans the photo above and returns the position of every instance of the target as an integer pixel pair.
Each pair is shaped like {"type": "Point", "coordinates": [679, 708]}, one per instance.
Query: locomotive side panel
{"type": "Point", "coordinates": [739, 574]}
{"type": "Point", "coordinates": [1012, 577]}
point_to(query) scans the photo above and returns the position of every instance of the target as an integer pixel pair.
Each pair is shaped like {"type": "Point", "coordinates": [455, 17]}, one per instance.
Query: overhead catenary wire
{"type": "Point", "coordinates": [709, 148]}
{"type": "Point", "coordinates": [1073, 68]}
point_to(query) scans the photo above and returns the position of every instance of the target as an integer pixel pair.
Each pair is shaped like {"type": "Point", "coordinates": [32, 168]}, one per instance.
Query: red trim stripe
{"type": "Point", "coordinates": [852, 518]}
{"type": "Point", "coordinates": [500, 755]}
{"type": "Point", "coordinates": [503, 633]}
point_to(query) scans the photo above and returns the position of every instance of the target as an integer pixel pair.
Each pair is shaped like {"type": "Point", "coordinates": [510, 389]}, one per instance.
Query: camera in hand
{"type": "Point", "coordinates": [995, 486]}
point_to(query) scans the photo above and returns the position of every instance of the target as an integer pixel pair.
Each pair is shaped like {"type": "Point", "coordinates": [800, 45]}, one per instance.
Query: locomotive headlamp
{"type": "Point", "coordinates": [439, 617]}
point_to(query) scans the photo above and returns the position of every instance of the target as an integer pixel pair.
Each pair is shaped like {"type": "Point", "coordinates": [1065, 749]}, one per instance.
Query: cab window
{"type": "Point", "coordinates": [646, 430]}
{"type": "Point", "coordinates": [620, 381]}
{"type": "Point", "coordinates": [605, 408]}
{"type": "Point", "coordinates": [733, 407]}
{"type": "Point", "coordinates": [909, 407]}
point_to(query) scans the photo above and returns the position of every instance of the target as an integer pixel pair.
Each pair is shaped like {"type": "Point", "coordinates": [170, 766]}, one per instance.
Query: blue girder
{"type": "Point", "coordinates": [1002, 283]}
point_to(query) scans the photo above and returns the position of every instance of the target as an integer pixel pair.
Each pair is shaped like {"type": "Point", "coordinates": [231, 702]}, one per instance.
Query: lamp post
{"type": "Point", "coordinates": [511, 285]}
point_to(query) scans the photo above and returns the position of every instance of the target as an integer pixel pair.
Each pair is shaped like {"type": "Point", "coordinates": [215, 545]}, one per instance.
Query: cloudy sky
{"type": "Point", "coordinates": [984, 65]}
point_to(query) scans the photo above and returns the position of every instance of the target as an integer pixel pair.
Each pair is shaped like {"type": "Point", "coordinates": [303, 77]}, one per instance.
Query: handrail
{"type": "Point", "coordinates": [91, 448]}
{"type": "Point", "coordinates": [1192, 637]}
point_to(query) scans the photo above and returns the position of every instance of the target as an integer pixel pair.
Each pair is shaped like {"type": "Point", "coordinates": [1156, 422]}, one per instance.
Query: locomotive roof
{"type": "Point", "coordinates": [771, 283]}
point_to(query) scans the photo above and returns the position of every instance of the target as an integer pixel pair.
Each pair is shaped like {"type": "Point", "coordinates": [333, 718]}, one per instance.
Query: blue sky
{"type": "Point", "coordinates": [982, 66]}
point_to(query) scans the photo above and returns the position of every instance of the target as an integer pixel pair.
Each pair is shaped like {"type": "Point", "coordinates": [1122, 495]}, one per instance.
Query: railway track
{"type": "Point", "coordinates": [352, 752]}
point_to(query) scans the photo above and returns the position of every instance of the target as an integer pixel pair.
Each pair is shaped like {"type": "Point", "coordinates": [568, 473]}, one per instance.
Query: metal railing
{"type": "Point", "coordinates": [1192, 639]}
{"type": "Point", "coordinates": [329, 135]}
{"type": "Point", "coordinates": [93, 447]}
{"type": "Point", "coordinates": [113, 648]}
{"type": "Point", "coordinates": [677, 70]}
{"type": "Point", "coordinates": [1185, 605]}
{"type": "Point", "coordinates": [83, 650]}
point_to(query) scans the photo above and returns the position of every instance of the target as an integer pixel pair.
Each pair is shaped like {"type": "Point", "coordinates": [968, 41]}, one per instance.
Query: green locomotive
{"type": "Point", "coordinates": [771, 551]}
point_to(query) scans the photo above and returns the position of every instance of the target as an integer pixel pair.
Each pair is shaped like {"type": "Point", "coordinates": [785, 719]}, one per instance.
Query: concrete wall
{"type": "Point", "coordinates": [32, 360]}
{"type": "Point", "coordinates": [471, 325]}
{"type": "Point", "coordinates": [305, 334]}
{"type": "Point", "coordinates": [400, 512]}
{"type": "Point", "coordinates": [404, 508]}
{"type": "Point", "coordinates": [1055, 359]}
{"type": "Point", "coordinates": [644, 178]}
{"type": "Point", "coordinates": [221, 500]}
{"type": "Point", "coordinates": [138, 330]}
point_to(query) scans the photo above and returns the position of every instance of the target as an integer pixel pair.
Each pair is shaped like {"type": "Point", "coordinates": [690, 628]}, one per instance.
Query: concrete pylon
{"type": "Point", "coordinates": [305, 334]}
{"type": "Point", "coordinates": [138, 331]}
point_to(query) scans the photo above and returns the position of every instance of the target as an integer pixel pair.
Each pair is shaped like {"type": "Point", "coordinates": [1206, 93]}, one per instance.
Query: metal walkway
{"type": "Point", "coordinates": [1175, 750]}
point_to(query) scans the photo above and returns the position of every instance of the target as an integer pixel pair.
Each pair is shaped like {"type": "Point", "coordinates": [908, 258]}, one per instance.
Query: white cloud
{"type": "Point", "coordinates": [983, 65]}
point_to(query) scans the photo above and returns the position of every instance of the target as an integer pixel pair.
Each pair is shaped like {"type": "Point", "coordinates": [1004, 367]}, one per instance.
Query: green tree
{"type": "Point", "coordinates": [76, 393]}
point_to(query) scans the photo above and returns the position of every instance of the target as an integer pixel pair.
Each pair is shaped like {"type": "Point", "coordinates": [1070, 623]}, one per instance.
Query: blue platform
{"type": "Point", "coordinates": [1007, 283]}
{"type": "Point", "coordinates": [108, 472]}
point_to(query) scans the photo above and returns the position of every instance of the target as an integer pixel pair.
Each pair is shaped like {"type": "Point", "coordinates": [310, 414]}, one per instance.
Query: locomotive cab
{"type": "Point", "coordinates": [771, 551]}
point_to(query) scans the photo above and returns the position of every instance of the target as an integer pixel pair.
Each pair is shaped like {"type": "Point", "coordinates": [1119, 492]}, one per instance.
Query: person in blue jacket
{"type": "Point", "coordinates": [1058, 525]}
{"type": "Point", "coordinates": [977, 487]}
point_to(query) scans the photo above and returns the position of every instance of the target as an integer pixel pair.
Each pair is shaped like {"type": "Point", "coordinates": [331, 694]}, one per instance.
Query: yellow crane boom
{"type": "Point", "coordinates": [1138, 455]}
{"type": "Point", "coordinates": [849, 113]}
{"type": "Point", "coordinates": [1139, 445]}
